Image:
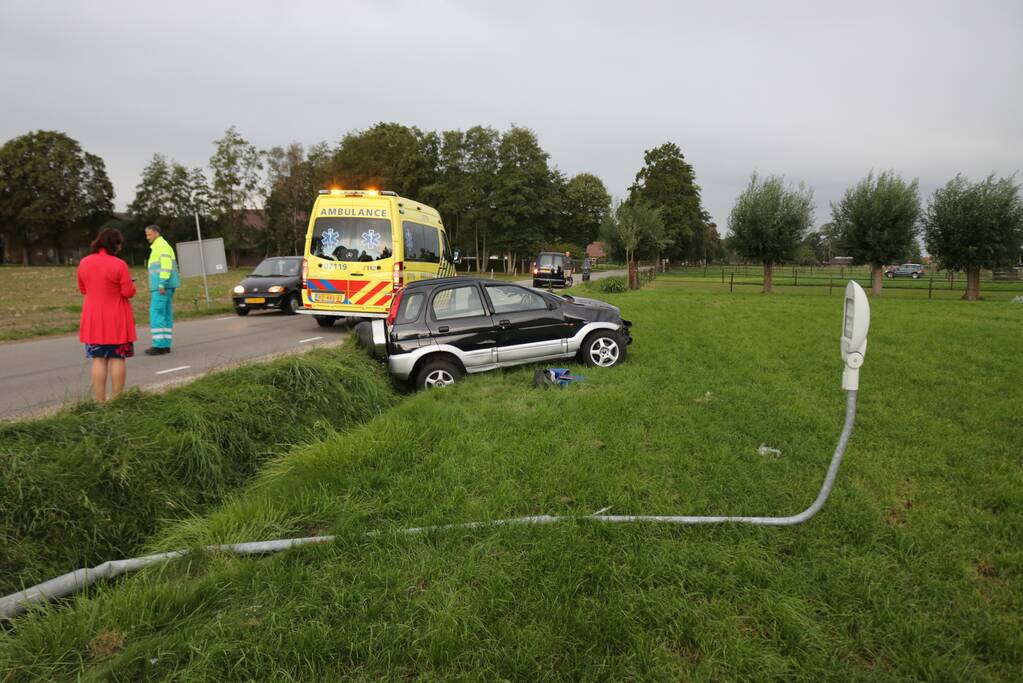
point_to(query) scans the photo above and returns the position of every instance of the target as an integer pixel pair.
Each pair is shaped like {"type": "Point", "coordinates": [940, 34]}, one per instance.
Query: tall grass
{"type": "Point", "coordinates": [913, 571]}
{"type": "Point", "coordinates": [93, 482]}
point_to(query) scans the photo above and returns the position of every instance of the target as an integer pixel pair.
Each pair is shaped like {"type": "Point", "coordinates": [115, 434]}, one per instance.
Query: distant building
{"type": "Point", "coordinates": [840, 261]}
{"type": "Point", "coordinates": [596, 250]}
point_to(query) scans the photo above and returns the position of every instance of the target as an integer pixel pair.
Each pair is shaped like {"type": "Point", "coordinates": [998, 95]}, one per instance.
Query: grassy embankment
{"type": "Point", "coordinates": [36, 301]}
{"type": "Point", "coordinates": [912, 571]}
{"type": "Point", "coordinates": [92, 483]}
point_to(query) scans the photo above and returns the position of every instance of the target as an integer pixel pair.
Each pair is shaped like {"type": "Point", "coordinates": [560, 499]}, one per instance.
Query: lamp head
{"type": "Point", "coordinates": [855, 325]}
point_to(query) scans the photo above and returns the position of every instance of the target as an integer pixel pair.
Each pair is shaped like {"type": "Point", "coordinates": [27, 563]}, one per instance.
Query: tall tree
{"type": "Point", "coordinates": [481, 164]}
{"type": "Point", "coordinates": [769, 221]}
{"type": "Point", "coordinates": [169, 195]}
{"type": "Point", "coordinates": [524, 195]}
{"type": "Point", "coordinates": [633, 227]}
{"type": "Point", "coordinates": [587, 203]}
{"type": "Point", "coordinates": [667, 181]}
{"type": "Point", "coordinates": [449, 191]}
{"type": "Point", "coordinates": [236, 165]}
{"type": "Point", "coordinates": [387, 156]}
{"type": "Point", "coordinates": [292, 181]}
{"type": "Point", "coordinates": [51, 192]}
{"type": "Point", "coordinates": [969, 226]}
{"type": "Point", "coordinates": [876, 221]}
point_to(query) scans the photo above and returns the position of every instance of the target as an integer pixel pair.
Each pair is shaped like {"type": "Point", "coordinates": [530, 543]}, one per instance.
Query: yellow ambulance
{"type": "Point", "coordinates": [362, 246]}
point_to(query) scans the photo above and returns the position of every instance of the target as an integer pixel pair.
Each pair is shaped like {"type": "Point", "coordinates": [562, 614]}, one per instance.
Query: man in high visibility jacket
{"type": "Point", "coordinates": [163, 280]}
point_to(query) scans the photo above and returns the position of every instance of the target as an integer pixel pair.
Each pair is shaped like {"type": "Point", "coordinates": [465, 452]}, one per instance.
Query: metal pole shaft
{"type": "Point", "coordinates": [202, 258]}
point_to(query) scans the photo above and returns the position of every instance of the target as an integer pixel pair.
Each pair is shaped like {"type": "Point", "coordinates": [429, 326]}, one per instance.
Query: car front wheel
{"type": "Point", "coordinates": [242, 311]}
{"type": "Point", "coordinates": [437, 373]}
{"type": "Point", "coordinates": [603, 349]}
{"type": "Point", "coordinates": [292, 304]}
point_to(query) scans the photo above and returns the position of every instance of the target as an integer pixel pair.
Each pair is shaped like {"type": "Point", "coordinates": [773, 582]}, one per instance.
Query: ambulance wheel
{"type": "Point", "coordinates": [242, 311]}
{"type": "Point", "coordinates": [325, 320]}
{"type": "Point", "coordinates": [603, 349]}
{"type": "Point", "coordinates": [437, 373]}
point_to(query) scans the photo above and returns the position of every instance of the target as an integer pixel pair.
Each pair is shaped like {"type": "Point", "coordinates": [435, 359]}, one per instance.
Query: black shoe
{"type": "Point", "coordinates": [156, 351]}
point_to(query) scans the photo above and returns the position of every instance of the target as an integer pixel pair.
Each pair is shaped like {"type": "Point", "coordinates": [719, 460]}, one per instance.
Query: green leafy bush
{"type": "Point", "coordinates": [613, 285]}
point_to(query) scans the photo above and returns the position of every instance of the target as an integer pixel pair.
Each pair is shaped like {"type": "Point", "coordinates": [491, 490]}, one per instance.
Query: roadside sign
{"type": "Point", "coordinates": [191, 259]}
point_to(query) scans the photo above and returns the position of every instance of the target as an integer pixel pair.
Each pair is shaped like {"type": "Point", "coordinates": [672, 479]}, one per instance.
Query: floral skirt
{"type": "Point", "coordinates": [110, 350]}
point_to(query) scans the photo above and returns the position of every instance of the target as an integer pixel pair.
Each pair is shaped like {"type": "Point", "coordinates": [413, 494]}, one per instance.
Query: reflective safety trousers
{"type": "Point", "coordinates": [161, 318]}
{"type": "Point", "coordinates": [163, 266]}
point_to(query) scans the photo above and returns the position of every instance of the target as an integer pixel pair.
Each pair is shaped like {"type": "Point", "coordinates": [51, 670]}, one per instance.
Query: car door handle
{"type": "Point", "coordinates": [442, 328]}
{"type": "Point", "coordinates": [504, 323]}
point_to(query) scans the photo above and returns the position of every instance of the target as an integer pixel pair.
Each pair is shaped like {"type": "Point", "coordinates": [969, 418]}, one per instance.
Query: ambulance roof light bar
{"type": "Point", "coordinates": [336, 192]}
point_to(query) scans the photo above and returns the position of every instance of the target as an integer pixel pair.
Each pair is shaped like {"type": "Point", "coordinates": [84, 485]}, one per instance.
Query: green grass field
{"type": "Point", "coordinates": [913, 570]}
{"type": "Point", "coordinates": [831, 279]}
{"type": "Point", "coordinates": [37, 301]}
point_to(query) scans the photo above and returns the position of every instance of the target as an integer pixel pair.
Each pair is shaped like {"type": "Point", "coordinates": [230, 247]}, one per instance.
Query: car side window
{"type": "Point", "coordinates": [510, 299]}
{"type": "Point", "coordinates": [457, 302]}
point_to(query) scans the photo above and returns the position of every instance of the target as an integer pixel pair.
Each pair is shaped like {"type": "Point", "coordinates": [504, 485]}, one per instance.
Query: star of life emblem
{"type": "Point", "coordinates": [371, 239]}
{"type": "Point", "coordinates": [330, 240]}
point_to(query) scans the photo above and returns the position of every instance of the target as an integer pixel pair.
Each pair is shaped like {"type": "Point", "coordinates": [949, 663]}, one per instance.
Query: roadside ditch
{"type": "Point", "coordinates": [93, 482]}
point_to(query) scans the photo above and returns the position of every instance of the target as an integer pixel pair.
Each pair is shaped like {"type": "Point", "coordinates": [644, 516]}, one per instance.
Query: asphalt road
{"type": "Point", "coordinates": [577, 277]}
{"type": "Point", "coordinates": [39, 375]}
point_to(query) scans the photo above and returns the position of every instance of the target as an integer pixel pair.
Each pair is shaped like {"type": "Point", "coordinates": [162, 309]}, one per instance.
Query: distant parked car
{"type": "Point", "coordinates": [553, 269]}
{"type": "Point", "coordinates": [440, 329]}
{"type": "Point", "coordinates": [913, 270]}
{"type": "Point", "coordinates": [275, 283]}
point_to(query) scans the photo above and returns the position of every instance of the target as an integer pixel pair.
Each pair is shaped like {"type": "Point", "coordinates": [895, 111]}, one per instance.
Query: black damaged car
{"type": "Point", "coordinates": [440, 329]}
{"type": "Point", "coordinates": [275, 283]}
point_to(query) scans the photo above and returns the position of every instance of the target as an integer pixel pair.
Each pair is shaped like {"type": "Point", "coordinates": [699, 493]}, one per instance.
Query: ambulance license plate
{"type": "Point", "coordinates": [329, 298]}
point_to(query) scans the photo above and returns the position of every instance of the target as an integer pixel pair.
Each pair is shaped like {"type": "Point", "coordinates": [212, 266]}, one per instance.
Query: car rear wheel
{"type": "Point", "coordinates": [325, 320]}
{"type": "Point", "coordinates": [437, 373]}
{"type": "Point", "coordinates": [603, 349]}
{"type": "Point", "coordinates": [916, 276]}
{"type": "Point", "coordinates": [292, 304]}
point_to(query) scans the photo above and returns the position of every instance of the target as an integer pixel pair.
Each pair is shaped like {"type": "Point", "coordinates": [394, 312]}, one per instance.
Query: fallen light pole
{"type": "Point", "coordinates": [855, 326]}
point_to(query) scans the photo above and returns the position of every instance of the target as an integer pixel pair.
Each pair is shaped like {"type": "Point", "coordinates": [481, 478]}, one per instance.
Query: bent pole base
{"type": "Point", "coordinates": [65, 585]}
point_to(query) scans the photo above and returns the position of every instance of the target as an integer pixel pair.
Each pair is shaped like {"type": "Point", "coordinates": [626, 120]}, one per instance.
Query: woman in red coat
{"type": "Point", "coordinates": [108, 325]}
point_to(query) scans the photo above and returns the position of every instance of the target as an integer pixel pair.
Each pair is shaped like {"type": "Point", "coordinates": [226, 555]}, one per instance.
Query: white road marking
{"type": "Point", "coordinates": [303, 341]}
{"type": "Point", "coordinates": [164, 372]}
{"type": "Point", "coordinates": [230, 317]}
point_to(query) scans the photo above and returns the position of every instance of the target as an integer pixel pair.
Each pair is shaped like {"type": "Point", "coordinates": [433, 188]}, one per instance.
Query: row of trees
{"type": "Point", "coordinates": [967, 226]}
{"type": "Point", "coordinates": [497, 191]}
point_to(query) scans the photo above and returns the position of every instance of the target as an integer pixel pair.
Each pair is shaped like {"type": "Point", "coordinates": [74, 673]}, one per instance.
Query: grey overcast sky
{"type": "Point", "coordinates": [820, 92]}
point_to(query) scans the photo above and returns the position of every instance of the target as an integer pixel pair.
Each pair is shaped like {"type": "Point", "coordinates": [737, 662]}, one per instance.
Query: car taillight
{"type": "Point", "coordinates": [399, 275]}
{"type": "Point", "coordinates": [305, 272]}
{"type": "Point", "coordinates": [393, 313]}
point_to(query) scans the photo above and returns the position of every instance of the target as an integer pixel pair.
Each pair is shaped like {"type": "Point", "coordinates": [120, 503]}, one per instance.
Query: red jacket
{"type": "Point", "coordinates": [106, 313]}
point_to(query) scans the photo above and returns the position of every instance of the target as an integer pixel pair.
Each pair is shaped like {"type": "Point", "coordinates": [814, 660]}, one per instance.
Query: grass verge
{"type": "Point", "coordinates": [913, 571]}
{"type": "Point", "coordinates": [93, 482]}
{"type": "Point", "coordinates": [39, 301]}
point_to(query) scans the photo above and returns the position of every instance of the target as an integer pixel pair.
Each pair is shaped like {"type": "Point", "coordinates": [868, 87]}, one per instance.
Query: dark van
{"type": "Point", "coordinates": [553, 269]}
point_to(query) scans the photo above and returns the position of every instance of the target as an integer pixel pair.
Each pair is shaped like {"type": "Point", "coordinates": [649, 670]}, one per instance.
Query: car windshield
{"type": "Point", "coordinates": [351, 239]}
{"type": "Point", "coordinates": [277, 267]}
